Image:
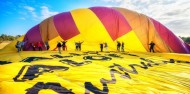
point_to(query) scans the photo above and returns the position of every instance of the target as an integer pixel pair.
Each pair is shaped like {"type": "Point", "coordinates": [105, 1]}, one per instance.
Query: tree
{"type": "Point", "coordinates": [186, 39]}
{"type": "Point", "coordinates": [4, 37]}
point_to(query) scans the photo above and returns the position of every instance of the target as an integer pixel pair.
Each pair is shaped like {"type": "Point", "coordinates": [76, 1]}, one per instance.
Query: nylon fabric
{"type": "Point", "coordinates": [132, 43]}
{"type": "Point", "coordinates": [176, 44]}
{"type": "Point", "coordinates": [144, 29]}
{"type": "Point", "coordinates": [48, 30]}
{"type": "Point", "coordinates": [33, 36]}
{"type": "Point", "coordinates": [113, 21]}
{"type": "Point", "coordinates": [65, 25]}
{"type": "Point", "coordinates": [92, 31]}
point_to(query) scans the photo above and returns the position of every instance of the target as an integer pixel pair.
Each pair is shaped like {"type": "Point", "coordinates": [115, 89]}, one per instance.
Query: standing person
{"type": "Point", "coordinates": [106, 46]}
{"type": "Point", "coordinates": [18, 46]}
{"type": "Point", "coordinates": [40, 46]}
{"type": "Point", "coordinates": [152, 44]}
{"type": "Point", "coordinates": [79, 45]}
{"type": "Point", "coordinates": [59, 47]}
{"type": "Point", "coordinates": [118, 46]}
{"type": "Point", "coordinates": [64, 47]}
{"type": "Point", "coordinates": [101, 47]}
{"type": "Point", "coordinates": [122, 46]}
{"type": "Point", "coordinates": [22, 45]}
{"type": "Point", "coordinates": [33, 46]}
{"type": "Point", "coordinates": [47, 45]}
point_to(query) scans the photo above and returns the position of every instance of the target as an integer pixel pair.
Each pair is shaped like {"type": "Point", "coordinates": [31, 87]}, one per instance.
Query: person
{"type": "Point", "coordinates": [59, 47]}
{"type": "Point", "coordinates": [64, 47]}
{"type": "Point", "coordinates": [47, 45]}
{"type": "Point", "coordinates": [22, 45]}
{"type": "Point", "coordinates": [152, 44]}
{"type": "Point", "coordinates": [79, 45]}
{"type": "Point", "coordinates": [18, 46]}
{"type": "Point", "coordinates": [101, 47]}
{"type": "Point", "coordinates": [106, 46]}
{"type": "Point", "coordinates": [39, 46]}
{"type": "Point", "coordinates": [118, 46]}
{"type": "Point", "coordinates": [33, 46]}
{"type": "Point", "coordinates": [122, 46]}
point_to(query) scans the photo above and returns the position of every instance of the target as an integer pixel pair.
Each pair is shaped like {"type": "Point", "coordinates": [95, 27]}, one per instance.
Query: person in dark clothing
{"type": "Point", "coordinates": [33, 46]}
{"type": "Point", "coordinates": [118, 46]}
{"type": "Point", "coordinates": [22, 44]}
{"type": "Point", "coordinates": [106, 46]}
{"type": "Point", "coordinates": [18, 46]}
{"type": "Point", "coordinates": [79, 45]}
{"type": "Point", "coordinates": [101, 47]}
{"type": "Point", "coordinates": [152, 44]}
{"type": "Point", "coordinates": [122, 46]}
{"type": "Point", "coordinates": [59, 47]}
{"type": "Point", "coordinates": [64, 47]}
{"type": "Point", "coordinates": [47, 45]}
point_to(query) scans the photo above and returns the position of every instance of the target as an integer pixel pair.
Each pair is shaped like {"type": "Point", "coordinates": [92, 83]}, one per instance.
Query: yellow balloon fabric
{"type": "Point", "coordinates": [93, 72]}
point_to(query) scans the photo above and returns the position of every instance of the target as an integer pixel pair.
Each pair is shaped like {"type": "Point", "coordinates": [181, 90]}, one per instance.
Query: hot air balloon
{"type": "Point", "coordinates": [90, 71]}
{"type": "Point", "coordinates": [105, 24]}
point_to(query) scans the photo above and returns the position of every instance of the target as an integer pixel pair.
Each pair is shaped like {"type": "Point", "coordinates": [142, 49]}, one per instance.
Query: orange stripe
{"type": "Point", "coordinates": [47, 29]}
{"type": "Point", "coordinates": [144, 29]}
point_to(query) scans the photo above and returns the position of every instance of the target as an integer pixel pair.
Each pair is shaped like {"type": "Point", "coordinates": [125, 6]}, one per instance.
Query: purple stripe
{"type": "Point", "coordinates": [65, 25]}
{"type": "Point", "coordinates": [188, 47]}
{"type": "Point", "coordinates": [33, 36]}
{"type": "Point", "coordinates": [114, 22]}
{"type": "Point", "coordinates": [176, 44]}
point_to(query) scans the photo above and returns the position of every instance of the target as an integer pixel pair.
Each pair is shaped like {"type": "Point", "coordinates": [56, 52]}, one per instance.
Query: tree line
{"type": "Point", "coordinates": [186, 39]}
{"type": "Point", "coordinates": [4, 37]}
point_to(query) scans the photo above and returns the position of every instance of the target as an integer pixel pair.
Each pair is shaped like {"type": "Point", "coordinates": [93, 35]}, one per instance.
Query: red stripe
{"type": "Point", "coordinates": [113, 21]}
{"type": "Point", "coordinates": [176, 44]}
{"type": "Point", "coordinates": [65, 25]}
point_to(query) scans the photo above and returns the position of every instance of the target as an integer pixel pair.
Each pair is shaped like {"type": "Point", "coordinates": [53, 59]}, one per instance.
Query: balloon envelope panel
{"type": "Point", "coordinates": [97, 25]}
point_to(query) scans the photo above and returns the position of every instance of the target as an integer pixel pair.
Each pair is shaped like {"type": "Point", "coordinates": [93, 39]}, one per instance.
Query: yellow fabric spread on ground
{"type": "Point", "coordinates": [11, 46]}
{"type": "Point", "coordinates": [48, 72]}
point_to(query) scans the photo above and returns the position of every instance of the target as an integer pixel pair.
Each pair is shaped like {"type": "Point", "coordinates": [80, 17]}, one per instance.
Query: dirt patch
{"type": "Point", "coordinates": [4, 43]}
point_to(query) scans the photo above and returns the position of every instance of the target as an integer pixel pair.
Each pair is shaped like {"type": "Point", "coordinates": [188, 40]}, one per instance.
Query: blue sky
{"type": "Point", "coordinates": [18, 16]}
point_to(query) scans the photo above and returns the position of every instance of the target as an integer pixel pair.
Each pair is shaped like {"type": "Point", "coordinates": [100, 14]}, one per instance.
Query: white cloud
{"type": "Point", "coordinates": [31, 10]}
{"type": "Point", "coordinates": [45, 13]}
{"type": "Point", "coordinates": [112, 0]}
{"type": "Point", "coordinates": [174, 14]}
